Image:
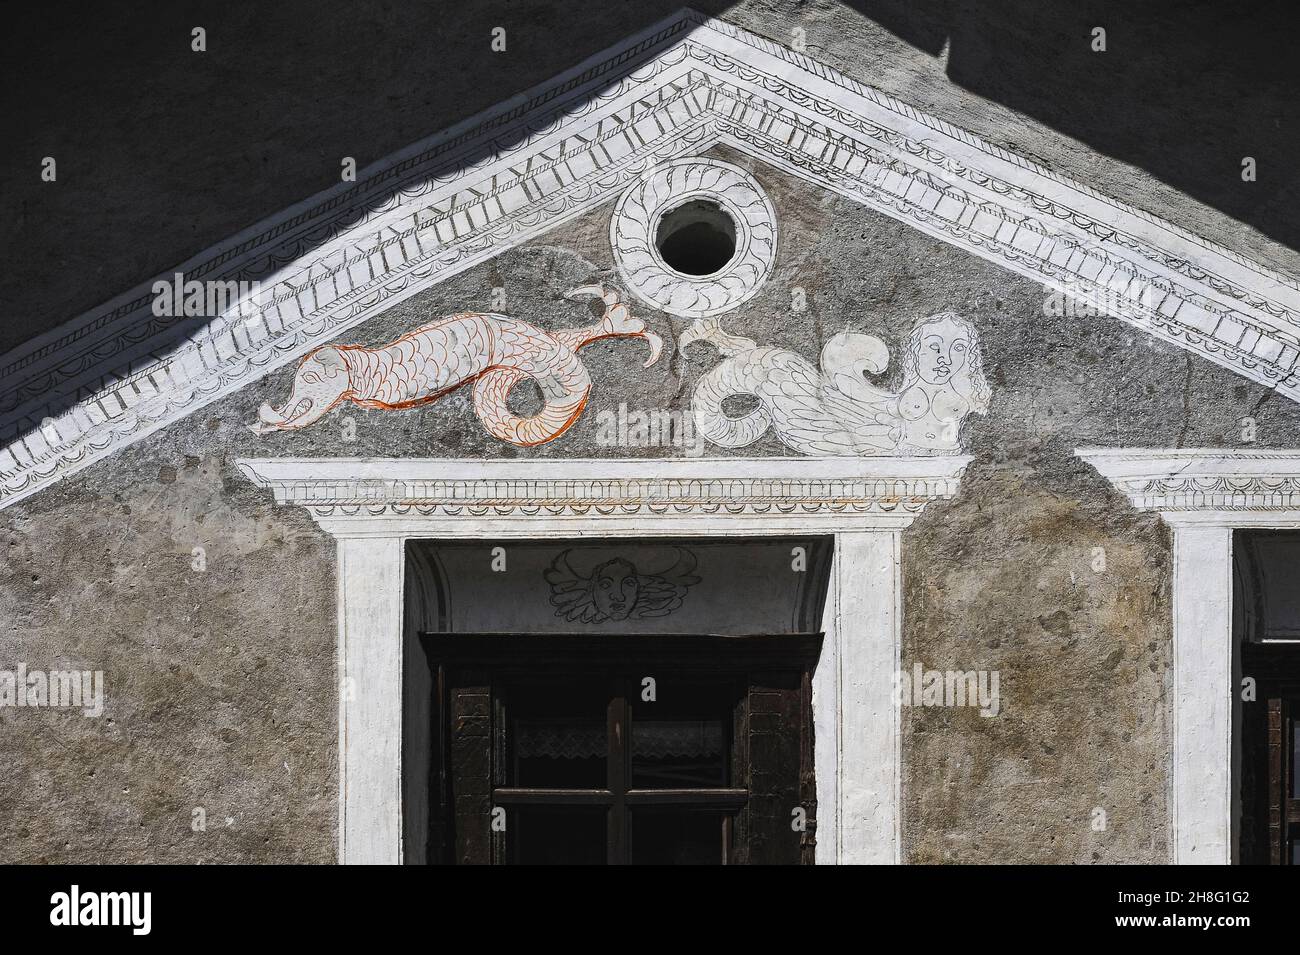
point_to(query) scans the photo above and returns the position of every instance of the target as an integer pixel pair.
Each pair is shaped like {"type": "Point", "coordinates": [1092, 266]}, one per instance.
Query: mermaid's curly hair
{"type": "Point", "coordinates": [970, 382]}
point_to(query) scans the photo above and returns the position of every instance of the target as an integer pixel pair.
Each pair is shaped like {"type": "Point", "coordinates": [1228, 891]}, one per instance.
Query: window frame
{"type": "Point", "coordinates": [501, 659]}
{"type": "Point", "coordinates": [1270, 797]}
{"type": "Point", "coordinates": [1205, 496]}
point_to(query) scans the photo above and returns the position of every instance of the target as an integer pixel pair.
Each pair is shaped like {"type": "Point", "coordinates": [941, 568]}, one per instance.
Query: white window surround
{"type": "Point", "coordinates": [1204, 494]}
{"type": "Point", "coordinates": [373, 506]}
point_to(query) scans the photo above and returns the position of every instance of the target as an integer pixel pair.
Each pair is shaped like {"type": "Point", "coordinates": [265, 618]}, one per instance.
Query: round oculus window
{"type": "Point", "coordinates": [695, 237]}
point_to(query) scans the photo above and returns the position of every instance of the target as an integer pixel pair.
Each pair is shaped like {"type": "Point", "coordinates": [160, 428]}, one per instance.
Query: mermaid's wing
{"type": "Point", "coordinates": [856, 389]}
{"type": "Point", "coordinates": [799, 416]}
{"type": "Point", "coordinates": [814, 417]}
{"type": "Point", "coordinates": [868, 422]}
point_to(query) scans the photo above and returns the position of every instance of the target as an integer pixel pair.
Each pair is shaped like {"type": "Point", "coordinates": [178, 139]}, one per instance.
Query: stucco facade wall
{"type": "Point", "coordinates": [221, 682]}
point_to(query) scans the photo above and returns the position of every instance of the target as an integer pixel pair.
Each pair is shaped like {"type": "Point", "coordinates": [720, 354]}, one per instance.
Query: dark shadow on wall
{"type": "Point", "coordinates": [1184, 90]}
{"type": "Point", "coordinates": [162, 152]}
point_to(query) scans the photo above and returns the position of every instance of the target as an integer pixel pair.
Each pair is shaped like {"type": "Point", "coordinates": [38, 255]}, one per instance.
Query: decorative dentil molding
{"type": "Point", "coordinates": [120, 372]}
{"type": "Point", "coordinates": [351, 494]}
{"type": "Point", "coordinates": [1227, 486]}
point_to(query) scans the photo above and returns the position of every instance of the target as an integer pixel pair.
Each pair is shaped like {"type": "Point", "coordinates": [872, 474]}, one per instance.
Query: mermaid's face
{"type": "Point", "coordinates": [615, 588]}
{"type": "Point", "coordinates": [943, 348]}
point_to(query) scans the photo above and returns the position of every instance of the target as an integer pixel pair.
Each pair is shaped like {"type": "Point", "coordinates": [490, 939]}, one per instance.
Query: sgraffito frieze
{"type": "Point", "coordinates": [117, 373]}
{"type": "Point", "coordinates": [835, 409]}
{"type": "Point", "coordinates": [492, 352]}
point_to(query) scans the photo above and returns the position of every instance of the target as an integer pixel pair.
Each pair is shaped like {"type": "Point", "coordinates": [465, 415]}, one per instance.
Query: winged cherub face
{"type": "Point", "coordinates": [615, 588]}
{"type": "Point", "coordinates": [944, 347]}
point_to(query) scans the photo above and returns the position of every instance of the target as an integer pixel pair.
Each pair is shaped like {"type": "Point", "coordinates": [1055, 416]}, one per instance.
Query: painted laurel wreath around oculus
{"type": "Point", "coordinates": [641, 211]}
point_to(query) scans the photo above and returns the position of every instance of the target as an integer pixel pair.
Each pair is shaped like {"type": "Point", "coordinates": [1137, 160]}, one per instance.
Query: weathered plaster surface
{"type": "Point", "coordinates": [219, 684]}
{"type": "Point", "coordinates": [221, 687]}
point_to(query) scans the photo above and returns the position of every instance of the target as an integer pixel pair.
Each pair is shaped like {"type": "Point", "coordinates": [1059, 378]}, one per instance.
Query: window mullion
{"type": "Point", "coordinates": [617, 733]}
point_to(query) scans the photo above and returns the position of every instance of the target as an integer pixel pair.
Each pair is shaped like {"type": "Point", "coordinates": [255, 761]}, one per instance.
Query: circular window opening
{"type": "Point", "coordinates": [696, 238]}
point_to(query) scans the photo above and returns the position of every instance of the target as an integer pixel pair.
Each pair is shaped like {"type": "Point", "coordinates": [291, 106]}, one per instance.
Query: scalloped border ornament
{"type": "Point", "coordinates": [636, 219]}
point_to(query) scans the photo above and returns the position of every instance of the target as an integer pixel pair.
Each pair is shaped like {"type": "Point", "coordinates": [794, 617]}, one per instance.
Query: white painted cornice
{"type": "Point", "coordinates": [1212, 486]}
{"type": "Point", "coordinates": [476, 498]}
{"type": "Point", "coordinates": [1205, 494]}
{"type": "Point", "coordinates": [117, 373]}
{"type": "Point", "coordinates": [372, 506]}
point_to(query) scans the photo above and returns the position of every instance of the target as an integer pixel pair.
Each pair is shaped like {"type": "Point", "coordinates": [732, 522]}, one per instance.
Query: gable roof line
{"type": "Point", "coordinates": [384, 176]}
{"type": "Point", "coordinates": [478, 188]}
{"type": "Point", "coordinates": [983, 146]}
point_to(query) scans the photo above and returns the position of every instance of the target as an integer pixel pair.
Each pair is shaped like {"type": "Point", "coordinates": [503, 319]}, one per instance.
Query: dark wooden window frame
{"type": "Point", "coordinates": [460, 831]}
{"type": "Point", "coordinates": [1269, 830]}
{"type": "Point", "coordinates": [1270, 819]}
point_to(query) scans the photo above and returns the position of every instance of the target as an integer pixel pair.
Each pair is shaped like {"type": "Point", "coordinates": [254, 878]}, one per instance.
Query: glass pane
{"type": "Point", "coordinates": [682, 739]}
{"type": "Point", "coordinates": [556, 836]}
{"type": "Point", "coordinates": [558, 735]}
{"type": "Point", "coordinates": [676, 837]}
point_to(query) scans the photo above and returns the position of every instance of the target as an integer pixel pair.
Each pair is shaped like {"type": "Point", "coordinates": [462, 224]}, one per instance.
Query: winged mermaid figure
{"type": "Point", "coordinates": [836, 410]}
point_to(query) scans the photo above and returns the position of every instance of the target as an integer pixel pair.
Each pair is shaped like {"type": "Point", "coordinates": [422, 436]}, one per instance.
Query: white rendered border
{"type": "Point", "coordinates": [1204, 494]}
{"type": "Point", "coordinates": [372, 507]}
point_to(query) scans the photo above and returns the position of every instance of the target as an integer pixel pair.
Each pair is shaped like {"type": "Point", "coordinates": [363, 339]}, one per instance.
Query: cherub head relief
{"type": "Point", "coordinates": [614, 590]}
{"type": "Point", "coordinates": [943, 381]}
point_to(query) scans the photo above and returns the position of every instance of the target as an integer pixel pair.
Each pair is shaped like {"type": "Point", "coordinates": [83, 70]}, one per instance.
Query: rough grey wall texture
{"type": "Point", "coordinates": [221, 682]}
